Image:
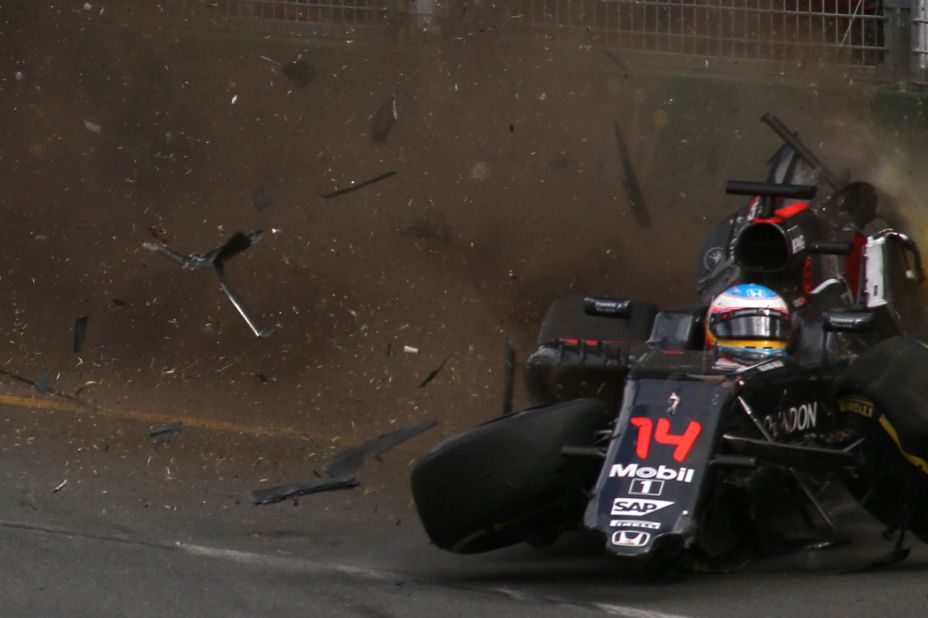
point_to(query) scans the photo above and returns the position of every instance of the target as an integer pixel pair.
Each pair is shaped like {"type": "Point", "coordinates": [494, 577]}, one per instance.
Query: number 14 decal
{"type": "Point", "coordinates": [682, 442]}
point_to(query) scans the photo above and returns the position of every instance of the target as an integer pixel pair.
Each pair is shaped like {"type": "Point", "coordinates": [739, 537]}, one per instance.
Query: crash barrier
{"type": "Point", "coordinates": [885, 40]}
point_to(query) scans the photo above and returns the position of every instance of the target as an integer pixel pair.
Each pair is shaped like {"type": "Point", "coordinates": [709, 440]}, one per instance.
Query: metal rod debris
{"type": "Point", "coordinates": [216, 260]}
{"type": "Point", "coordinates": [632, 187]}
{"type": "Point", "coordinates": [360, 185]}
{"type": "Point", "coordinates": [272, 495]}
{"type": "Point", "coordinates": [434, 372]}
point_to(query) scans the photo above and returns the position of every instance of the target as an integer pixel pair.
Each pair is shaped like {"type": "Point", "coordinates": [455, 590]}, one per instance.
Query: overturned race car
{"type": "Point", "coordinates": [697, 434]}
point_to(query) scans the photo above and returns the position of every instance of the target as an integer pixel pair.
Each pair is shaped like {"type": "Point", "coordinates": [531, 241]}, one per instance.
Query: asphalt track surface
{"type": "Point", "coordinates": [507, 192]}
{"type": "Point", "coordinates": [148, 537]}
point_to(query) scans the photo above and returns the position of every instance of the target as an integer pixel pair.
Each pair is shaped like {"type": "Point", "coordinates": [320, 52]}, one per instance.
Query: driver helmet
{"type": "Point", "coordinates": [748, 322]}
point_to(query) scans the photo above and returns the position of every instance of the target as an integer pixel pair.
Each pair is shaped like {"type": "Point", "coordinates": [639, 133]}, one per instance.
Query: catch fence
{"type": "Point", "coordinates": [878, 39]}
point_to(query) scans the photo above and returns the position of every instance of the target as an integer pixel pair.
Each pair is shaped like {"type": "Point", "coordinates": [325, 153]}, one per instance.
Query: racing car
{"type": "Point", "coordinates": [694, 434]}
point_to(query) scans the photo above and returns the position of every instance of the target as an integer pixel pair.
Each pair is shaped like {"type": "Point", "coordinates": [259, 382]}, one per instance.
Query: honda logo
{"type": "Point", "coordinates": [630, 538]}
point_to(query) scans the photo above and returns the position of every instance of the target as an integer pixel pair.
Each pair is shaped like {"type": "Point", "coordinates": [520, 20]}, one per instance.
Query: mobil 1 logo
{"type": "Point", "coordinates": [646, 487]}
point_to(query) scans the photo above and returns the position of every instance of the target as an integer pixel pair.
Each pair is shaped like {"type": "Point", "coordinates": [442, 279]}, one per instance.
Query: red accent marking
{"type": "Point", "coordinates": [591, 341]}
{"type": "Point", "coordinates": [807, 276]}
{"type": "Point", "coordinates": [782, 214]}
{"type": "Point", "coordinates": [643, 442]}
{"type": "Point", "coordinates": [683, 442]}
{"type": "Point", "coordinates": [566, 341]}
{"type": "Point", "coordinates": [792, 210]}
{"type": "Point", "coordinates": [852, 262]}
{"type": "Point", "coordinates": [673, 352]}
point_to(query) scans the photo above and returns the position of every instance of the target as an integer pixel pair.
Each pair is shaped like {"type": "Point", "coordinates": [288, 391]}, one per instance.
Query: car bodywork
{"type": "Point", "coordinates": [667, 452]}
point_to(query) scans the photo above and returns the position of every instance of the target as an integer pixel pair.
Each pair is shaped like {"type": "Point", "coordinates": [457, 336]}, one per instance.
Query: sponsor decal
{"type": "Point", "coordinates": [630, 538]}
{"type": "Point", "coordinates": [646, 487]}
{"type": "Point", "coordinates": [672, 402]}
{"type": "Point", "coordinates": [857, 405]}
{"type": "Point", "coordinates": [661, 473]}
{"type": "Point", "coordinates": [797, 240]}
{"type": "Point", "coordinates": [792, 419]}
{"type": "Point", "coordinates": [682, 442]}
{"type": "Point", "coordinates": [712, 257]}
{"type": "Point", "coordinates": [636, 507]}
{"type": "Point", "coordinates": [635, 523]}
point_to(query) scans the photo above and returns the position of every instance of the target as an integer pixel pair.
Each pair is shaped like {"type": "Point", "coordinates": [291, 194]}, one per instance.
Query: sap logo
{"type": "Point", "coordinates": [636, 507]}
{"type": "Point", "coordinates": [662, 472]}
{"type": "Point", "coordinates": [796, 418]}
{"type": "Point", "coordinates": [630, 538]}
{"type": "Point", "coordinates": [634, 523]}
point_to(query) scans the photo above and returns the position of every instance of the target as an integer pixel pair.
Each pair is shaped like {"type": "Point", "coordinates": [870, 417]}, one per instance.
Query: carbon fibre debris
{"type": "Point", "coordinates": [353, 458]}
{"type": "Point", "coordinates": [273, 495]}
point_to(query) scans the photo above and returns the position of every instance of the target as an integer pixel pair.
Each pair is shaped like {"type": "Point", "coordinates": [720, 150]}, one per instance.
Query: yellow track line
{"type": "Point", "coordinates": [150, 417]}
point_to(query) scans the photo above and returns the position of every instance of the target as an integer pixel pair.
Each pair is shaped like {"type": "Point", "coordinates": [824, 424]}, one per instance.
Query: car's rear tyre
{"type": "Point", "coordinates": [883, 397]}
{"type": "Point", "coordinates": [507, 481]}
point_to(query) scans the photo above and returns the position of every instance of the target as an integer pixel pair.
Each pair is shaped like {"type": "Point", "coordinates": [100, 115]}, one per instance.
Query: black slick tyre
{"type": "Point", "coordinates": [506, 481]}
{"type": "Point", "coordinates": [883, 397]}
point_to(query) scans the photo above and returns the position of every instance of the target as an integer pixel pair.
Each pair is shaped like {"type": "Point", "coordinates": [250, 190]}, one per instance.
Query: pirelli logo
{"type": "Point", "coordinates": [856, 405]}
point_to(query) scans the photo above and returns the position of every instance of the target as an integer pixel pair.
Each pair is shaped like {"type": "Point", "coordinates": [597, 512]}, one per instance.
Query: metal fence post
{"type": "Point", "coordinates": [897, 29]}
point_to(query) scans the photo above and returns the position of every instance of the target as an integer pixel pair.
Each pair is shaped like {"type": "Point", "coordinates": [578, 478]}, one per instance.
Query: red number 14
{"type": "Point", "coordinates": [682, 442]}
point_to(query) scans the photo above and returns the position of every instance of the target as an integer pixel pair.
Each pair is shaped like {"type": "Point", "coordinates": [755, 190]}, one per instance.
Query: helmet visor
{"type": "Point", "coordinates": [750, 324]}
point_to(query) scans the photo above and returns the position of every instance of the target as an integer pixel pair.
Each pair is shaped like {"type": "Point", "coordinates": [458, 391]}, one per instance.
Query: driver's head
{"type": "Point", "coordinates": [748, 323]}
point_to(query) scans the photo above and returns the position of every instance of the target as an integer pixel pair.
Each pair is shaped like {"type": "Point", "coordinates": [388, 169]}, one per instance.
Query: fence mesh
{"type": "Point", "coordinates": [846, 32]}
{"type": "Point", "coordinates": [842, 31]}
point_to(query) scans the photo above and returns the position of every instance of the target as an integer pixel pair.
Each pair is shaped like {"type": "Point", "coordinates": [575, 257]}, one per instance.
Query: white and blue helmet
{"type": "Point", "coordinates": [748, 321]}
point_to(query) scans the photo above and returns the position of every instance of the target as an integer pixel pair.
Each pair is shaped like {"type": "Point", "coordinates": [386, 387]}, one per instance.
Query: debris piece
{"type": "Point", "coordinates": [509, 377]}
{"type": "Point", "coordinates": [17, 377]}
{"type": "Point", "coordinates": [481, 170]}
{"type": "Point", "coordinates": [360, 185]}
{"type": "Point", "coordinates": [234, 99]}
{"type": "Point", "coordinates": [386, 115]}
{"type": "Point", "coordinates": [621, 64]}
{"type": "Point", "coordinates": [272, 495]}
{"type": "Point", "coordinates": [410, 350]}
{"type": "Point", "coordinates": [42, 383]}
{"type": "Point", "coordinates": [60, 486]}
{"type": "Point", "coordinates": [351, 459]}
{"type": "Point", "coordinates": [632, 187]}
{"type": "Point", "coordinates": [434, 372]}
{"type": "Point", "coordinates": [260, 377]}
{"type": "Point", "coordinates": [93, 127]}
{"type": "Point", "coordinates": [216, 260]}
{"type": "Point", "coordinates": [118, 303]}
{"type": "Point", "coordinates": [166, 431]}
{"type": "Point", "coordinates": [300, 72]}
{"type": "Point", "coordinates": [80, 333]}
{"type": "Point", "coordinates": [261, 198]}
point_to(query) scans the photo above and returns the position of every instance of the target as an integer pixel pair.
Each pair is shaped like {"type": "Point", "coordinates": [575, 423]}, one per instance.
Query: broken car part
{"type": "Point", "coordinates": [216, 259]}
{"type": "Point", "coordinates": [351, 459]}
